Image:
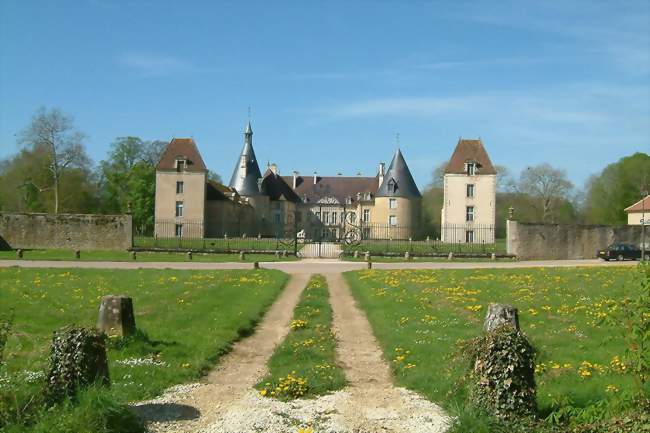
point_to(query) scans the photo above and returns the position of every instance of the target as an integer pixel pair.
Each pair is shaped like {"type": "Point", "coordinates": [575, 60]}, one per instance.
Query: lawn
{"type": "Point", "coordinates": [218, 244]}
{"type": "Point", "coordinates": [418, 317]}
{"type": "Point", "coordinates": [304, 364]}
{"type": "Point", "coordinates": [424, 247]}
{"type": "Point", "coordinates": [188, 319]}
{"type": "Point", "coordinates": [142, 256]}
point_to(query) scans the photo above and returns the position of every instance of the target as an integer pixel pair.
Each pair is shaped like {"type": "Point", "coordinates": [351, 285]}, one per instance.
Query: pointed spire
{"type": "Point", "coordinates": [398, 181]}
{"type": "Point", "coordinates": [247, 172]}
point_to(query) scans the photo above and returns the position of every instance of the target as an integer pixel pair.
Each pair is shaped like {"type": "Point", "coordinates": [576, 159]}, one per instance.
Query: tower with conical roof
{"type": "Point", "coordinates": [247, 179]}
{"type": "Point", "coordinates": [398, 200]}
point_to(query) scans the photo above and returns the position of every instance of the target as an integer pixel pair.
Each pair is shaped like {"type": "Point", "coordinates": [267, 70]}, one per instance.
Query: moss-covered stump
{"type": "Point", "coordinates": [77, 359]}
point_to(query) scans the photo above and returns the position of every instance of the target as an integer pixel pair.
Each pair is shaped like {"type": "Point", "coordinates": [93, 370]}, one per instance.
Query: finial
{"type": "Point", "coordinates": [397, 139]}
{"type": "Point", "coordinates": [249, 113]}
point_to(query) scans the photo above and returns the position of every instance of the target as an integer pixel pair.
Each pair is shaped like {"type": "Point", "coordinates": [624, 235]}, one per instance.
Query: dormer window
{"type": "Point", "coordinates": [392, 186]}
{"type": "Point", "coordinates": [180, 165]}
{"type": "Point", "coordinates": [366, 196]}
{"type": "Point", "coordinates": [471, 168]}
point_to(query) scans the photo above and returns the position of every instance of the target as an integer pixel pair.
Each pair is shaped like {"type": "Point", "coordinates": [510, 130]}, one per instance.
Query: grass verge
{"type": "Point", "coordinates": [418, 317]}
{"type": "Point", "coordinates": [142, 256]}
{"type": "Point", "coordinates": [304, 365]}
{"type": "Point", "coordinates": [186, 321]}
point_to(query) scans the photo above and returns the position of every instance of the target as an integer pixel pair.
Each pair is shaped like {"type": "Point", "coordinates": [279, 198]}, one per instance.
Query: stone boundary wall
{"type": "Point", "coordinates": [531, 241]}
{"type": "Point", "coordinates": [65, 231]}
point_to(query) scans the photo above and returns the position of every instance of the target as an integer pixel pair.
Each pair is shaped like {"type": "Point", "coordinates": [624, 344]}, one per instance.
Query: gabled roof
{"type": "Point", "coordinates": [469, 150]}
{"type": "Point", "coordinates": [339, 187]}
{"type": "Point", "coordinates": [640, 206]}
{"type": "Point", "coordinates": [398, 181]}
{"type": "Point", "coordinates": [246, 185]}
{"type": "Point", "coordinates": [183, 148]}
{"type": "Point", "coordinates": [275, 187]}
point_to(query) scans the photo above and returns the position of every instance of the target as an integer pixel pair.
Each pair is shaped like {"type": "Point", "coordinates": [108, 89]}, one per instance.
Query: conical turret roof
{"type": "Point", "coordinates": [398, 181]}
{"type": "Point", "coordinates": [247, 172]}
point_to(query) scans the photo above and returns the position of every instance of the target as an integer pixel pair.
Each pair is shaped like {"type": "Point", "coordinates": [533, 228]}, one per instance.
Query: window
{"type": "Point", "coordinates": [366, 215]}
{"type": "Point", "coordinates": [276, 218]}
{"type": "Point", "coordinates": [469, 236]}
{"type": "Point", "coordinates": [392, 220]}
{"type": "Point", "coordinates": [392, 203]}
{"type": "Point", "coordinates": [179, 208]}
{"type": "Point", "coordinates": [317, 215]}
{"type": "Point", "coordinates": [178, 230]}
{"type": "Point", "coordinates": [392, 185]}
{"type": "Point", "coordinates": [326, 217]}
{"type": "Point", "coordinates": [333, 217]}
{"type": "Point", "coordinates": [179, 187]}
{"type": "Point", "coordinates": [470, 167]}
{"type": "Point", "coordinates": [470, 190]}
{"type": "Point", "coordinates": [469, 213]}
{"type": "Point", "coordinates": [180, 165]}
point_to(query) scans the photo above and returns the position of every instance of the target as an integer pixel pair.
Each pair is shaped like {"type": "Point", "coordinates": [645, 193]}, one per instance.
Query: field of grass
{"type": "Point", "coordinates": [378, 247]}
{"type": "Point", "coordinates": [142, 256]}
{"type": "Point", "coordinates": [304, 364]}
{"type": "Point", "coordinates": [419, 316]}
{"type": "Point", "coordinates": [219, 244]}
{"type": "Point", "coordinates": [186, 319]}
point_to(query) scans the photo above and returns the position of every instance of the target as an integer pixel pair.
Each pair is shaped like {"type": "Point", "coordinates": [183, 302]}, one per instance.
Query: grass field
{"type": "Point", "coordinates": [187, 319]}
{"type": "Point", "coordinates": [418, 317]}
{"type": "Point", "coordinates": [378, 247]}
{"type": "Point", "coordinates": [222, 244]}
{"type": "Point", "coordinates": [304, 365]}
{"type": "Point", "coordinates": [144, 256]}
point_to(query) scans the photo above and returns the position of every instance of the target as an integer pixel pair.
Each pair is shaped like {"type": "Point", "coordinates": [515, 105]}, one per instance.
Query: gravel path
{"type": "Point", "coordinates": [227, 403]}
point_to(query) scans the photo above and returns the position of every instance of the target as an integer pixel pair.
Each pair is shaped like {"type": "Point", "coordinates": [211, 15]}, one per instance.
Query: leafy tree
{"type": "Point", "coordinates": [548, 187]}
{"type": "Point", "coordinates": [213, 176]}
{"type": "Point", "coordinates": [53, 131]}
{"type": "Point", "coordinates": [618, 186]}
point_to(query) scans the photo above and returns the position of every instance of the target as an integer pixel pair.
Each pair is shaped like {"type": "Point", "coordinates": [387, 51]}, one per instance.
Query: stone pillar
{"type": "Point", "coordinates": [450, 256]}
{"type": "Point", "coordinates": [242, 255]}
{"type": "Point", "coordinates": [369, 265]}
{"type": "Point", "coordinates": [77, 254]}
{"type": "Point", "coordinates": [511, 237]}
{"type": "Point", "coordinates": [499, 314]}
{"type": "Point", "coordinates": [134, 255]}
{"type": "Point", "coordinates": [367, 256]}
{"type": "Point", "coordinates": [189, 255]}
{"type": "Point", "coordinates": [407, 255]}
{"type": "Point", "coordinates": [116, 316]}
{"type": "Point", "coordinates": [19, 253]}
{"type": "Point", "coordinates": [493, 256]}
{"type": "Point", "coordinates": [256, 265]}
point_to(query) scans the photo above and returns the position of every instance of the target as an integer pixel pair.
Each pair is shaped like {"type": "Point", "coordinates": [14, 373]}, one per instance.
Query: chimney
{"type": "Point", "coordinates": [315, 177]}
{"type": "Point", "coordinates": [381, 173]}
{"type": "Point", "coordinates": [295, 179]}
{"type": "Point", "coordinates": [274, 168]}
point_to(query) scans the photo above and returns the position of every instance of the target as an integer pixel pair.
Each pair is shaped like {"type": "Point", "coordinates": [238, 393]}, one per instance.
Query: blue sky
{"type": "Point", "coordinates": [331, 83]}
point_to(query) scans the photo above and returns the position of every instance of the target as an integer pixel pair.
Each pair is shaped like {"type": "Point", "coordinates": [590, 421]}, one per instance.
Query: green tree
{"type": "Point", "coordinates": [618, 186]}
{"type": "Point", "coordinates": [53, 131]}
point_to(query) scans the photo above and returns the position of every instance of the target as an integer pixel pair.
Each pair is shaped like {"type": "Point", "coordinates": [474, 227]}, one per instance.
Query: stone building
{"type": "Point", "coordinates": [469, 207]}
{"type": "Point", "coordinates": [189, 205]}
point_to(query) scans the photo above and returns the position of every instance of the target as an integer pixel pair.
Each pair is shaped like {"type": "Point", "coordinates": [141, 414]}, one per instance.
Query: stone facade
{"type": "Point", "coordinates": [565, 241]}
{"type": "Point", "coordinates": [66, 231]}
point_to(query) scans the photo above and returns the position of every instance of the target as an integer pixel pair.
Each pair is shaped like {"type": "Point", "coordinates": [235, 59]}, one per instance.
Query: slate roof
{"type": "Point", "coordinates": [339, 187]}
{"type": "Point", "coordinates": [640, 206]}
{"type": "Point", "coordinates": [469, 150]}
{"type": "Point", "coordinates": [184, 148]}
{"type": "Point", "coordinates": [246, 185]}
{"type": "Point", "coordinates": [275, 187]}
{"type": "Point", "coordinates": [398, 181]}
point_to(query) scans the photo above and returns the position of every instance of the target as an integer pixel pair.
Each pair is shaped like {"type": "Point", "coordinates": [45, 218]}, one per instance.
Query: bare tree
{"type": "Point", "coordinates": [505, 182]}
{"type": "Point", "coordinates": [438, 175]}
{"type": "Point", "coordinates": [54, 131]}
{"type": "Point", "coordinates": [546, 184]}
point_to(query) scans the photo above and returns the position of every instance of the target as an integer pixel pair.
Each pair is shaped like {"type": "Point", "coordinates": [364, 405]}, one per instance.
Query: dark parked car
{"type": "Point", "coordinates": [622, 252]}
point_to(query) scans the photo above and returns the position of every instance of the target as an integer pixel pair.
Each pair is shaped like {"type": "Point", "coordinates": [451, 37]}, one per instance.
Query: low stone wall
{"type": "Point", "coordinates": [65, 231]}
{"type": "Point", "coordinates": [565, 241]}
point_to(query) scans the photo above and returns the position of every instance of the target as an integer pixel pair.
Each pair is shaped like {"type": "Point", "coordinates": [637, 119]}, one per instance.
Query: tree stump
{"type": "Point", "coordinates": [77, 358]}
{"type": "Point", "coordinates": [500, 314]}
{"type": "Point", "coordinates": [116, 316]}
{"type": "Point", "coordinates": [19, 253]}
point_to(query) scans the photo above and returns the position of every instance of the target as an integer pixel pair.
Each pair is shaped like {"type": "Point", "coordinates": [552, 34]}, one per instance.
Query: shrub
{"type": "Point", "coordinates": [6, 324]}
{"type": "Point", "coordinates": [77, 359]}
{"type": "Point", "coordinates": [502, 380]}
